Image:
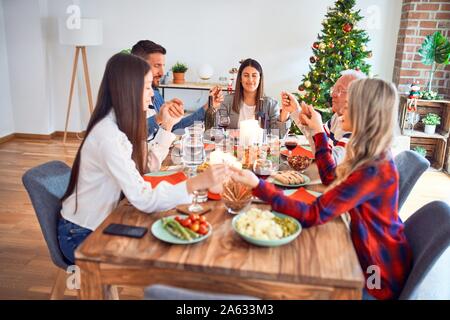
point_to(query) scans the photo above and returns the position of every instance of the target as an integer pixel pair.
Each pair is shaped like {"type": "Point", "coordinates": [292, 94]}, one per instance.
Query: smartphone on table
{"type": "Point", "coordinates": [125, 230]}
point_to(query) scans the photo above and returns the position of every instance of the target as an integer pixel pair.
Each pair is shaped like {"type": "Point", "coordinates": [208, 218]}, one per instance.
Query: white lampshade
{"type": "Point", "coordinates": [205, 72]}
{"type": "Point", "coordinates": [90, 33]}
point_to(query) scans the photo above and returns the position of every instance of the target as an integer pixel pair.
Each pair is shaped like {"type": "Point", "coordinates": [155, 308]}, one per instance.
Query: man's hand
{"type": "Point", "coordinates": [314, 121]}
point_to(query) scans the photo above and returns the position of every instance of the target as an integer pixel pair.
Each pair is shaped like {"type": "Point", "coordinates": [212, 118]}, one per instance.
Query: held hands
{"type": "Point", "coordinates": [210, 178]}
{"type": "Point", "coordinates": [170, 113]}
{"type": "Point", "coordinates": [311, 119]}
{"type": "Point", "coordinates": [289, 105]}
{"type": "Point", "coordinates": [289, 102]}
{"type": "Point", "coordinates": [244, 176]}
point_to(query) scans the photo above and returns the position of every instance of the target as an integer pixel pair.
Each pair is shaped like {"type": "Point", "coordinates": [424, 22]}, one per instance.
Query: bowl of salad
{"type": "Point", "coordinates": [266, 228]}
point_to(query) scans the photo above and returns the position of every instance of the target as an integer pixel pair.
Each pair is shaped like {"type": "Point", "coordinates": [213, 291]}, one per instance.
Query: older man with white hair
{"type": "Point", "coordinates": [338, 138]}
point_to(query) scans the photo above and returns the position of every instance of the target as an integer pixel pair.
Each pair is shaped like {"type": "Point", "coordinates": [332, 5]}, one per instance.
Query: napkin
{"type": "Point", "coordinates": [299, 151]}
{"type": "Point", "coordinates": [209, 146]}
{"type": "Point", "coordinates": [214, 196]}
{"type": "Point", "coordinates": [303, 196]}
{"type": "Point", "coordinates": [174, 178]}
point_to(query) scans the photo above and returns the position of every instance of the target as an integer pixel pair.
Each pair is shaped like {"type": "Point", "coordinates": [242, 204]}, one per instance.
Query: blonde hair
{"type": "Point", "coordinates": [372, 110]}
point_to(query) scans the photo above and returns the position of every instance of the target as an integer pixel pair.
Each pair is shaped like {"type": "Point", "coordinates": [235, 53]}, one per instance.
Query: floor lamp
{"type": "Point", "coordinates": [88, 33]}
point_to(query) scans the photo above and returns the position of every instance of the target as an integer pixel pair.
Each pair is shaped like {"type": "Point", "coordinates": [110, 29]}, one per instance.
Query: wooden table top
{"type": "Point", "coordinates": [321, 255]}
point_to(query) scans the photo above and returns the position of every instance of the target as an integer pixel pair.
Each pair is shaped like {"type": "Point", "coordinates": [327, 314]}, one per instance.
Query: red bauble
{"type": "Point", "coordinates": [301, 88]}
{"type": "Point", "coordinates": [313, 59]}
{"type": "Point", "coordinates": [316, 45]}
{"type": "Point", "coordinates": [347, 27]}
{"type": "Point", "coordinates": [331, 45]}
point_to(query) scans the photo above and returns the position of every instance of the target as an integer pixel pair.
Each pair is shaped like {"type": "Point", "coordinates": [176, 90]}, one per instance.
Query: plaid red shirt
{"type": "Point", "coordinates": [370, 195]}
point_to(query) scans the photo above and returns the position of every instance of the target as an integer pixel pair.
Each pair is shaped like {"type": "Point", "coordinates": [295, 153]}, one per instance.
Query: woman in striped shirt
{"type": "Point", "coordinates": [365, 185]}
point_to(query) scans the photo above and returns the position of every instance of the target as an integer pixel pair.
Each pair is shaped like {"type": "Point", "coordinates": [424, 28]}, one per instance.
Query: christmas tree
{"type": "Point", "coordinates": [340, 46]}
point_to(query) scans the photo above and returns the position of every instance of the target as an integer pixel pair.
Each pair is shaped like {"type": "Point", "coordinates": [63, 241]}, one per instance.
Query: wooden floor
{"type": "Point", "coordinates": [26, 270]}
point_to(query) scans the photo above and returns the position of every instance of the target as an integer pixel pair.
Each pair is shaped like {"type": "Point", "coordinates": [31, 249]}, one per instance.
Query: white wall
{"type": "Point", "coordinates": [25, 44]}
{"type": "Point", "coordinates": [6, 114]}
{"type": "Point", "coordinates": [279, 34]}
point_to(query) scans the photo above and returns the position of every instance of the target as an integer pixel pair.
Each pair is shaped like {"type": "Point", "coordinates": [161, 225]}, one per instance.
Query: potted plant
{"type": "Point", "coordinates": [420, 150]}
{"type": "Point", "coordinates": [179, 69]}
{"type": "Point", "coordinates": [435, 50]}
{"type": "Point", "coordinates": [431, 120]}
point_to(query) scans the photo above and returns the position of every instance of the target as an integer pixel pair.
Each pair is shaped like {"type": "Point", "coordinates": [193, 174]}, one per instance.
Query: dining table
{"type": "Point", "coordinates": [321, 263]}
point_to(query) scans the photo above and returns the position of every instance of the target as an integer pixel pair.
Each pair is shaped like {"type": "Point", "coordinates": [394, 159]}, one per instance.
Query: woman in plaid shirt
{"type": "Point", "coordinates": [365, 185]}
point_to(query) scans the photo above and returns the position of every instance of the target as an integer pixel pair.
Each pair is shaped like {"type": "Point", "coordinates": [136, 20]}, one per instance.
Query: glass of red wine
{"type": "Point", "coordinates": [290, 142]}
{"type": "Point", "coordinates": [224, 120]}
{"type": "Point", "coordinates": [263, 168]}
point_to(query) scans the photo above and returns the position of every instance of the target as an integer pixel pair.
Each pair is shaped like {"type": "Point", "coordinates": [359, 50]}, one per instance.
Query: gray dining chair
{"type": "Point", "coordinates": [428, 233]}
{"type": "Point", "coordinates": [410, 166]}
{"type": "Point", "coordinates": [46, 184]}
{"type": "Point", "coordinates": [165, 292]}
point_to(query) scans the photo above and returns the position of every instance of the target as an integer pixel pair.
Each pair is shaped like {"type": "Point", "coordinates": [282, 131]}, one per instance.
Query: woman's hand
{"type": "Point", "coordinates": [216, 93]}
{"type": "Point", "coordinates": [244, 176]}
{"type": "Point", "coordinates": [289, 104]}
{"type": "Point", "coordinates": [211, 177]}
{"type": "Point", "coordinates": [312, 119]}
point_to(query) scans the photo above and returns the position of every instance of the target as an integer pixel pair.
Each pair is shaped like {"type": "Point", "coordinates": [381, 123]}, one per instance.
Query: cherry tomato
{"type": "Point", "coordinates": [194, 217]}
{"type": "Point", "coordinates": [203, 229]}
{"type": "Point", "coordinates": [195, 226]}
{"type": "Point", "coordinates": [178, 219]}
{"type": "Point", "coordinates": [186, 222]}
{"type": "Point", "coordinates": [202, 219]}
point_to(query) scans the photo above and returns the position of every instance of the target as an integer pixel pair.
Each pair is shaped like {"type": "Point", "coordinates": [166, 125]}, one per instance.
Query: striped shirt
{"type": "Point", "coordinates": [333, 128]}
{"type": "Point", "coordinates": [370, 195]}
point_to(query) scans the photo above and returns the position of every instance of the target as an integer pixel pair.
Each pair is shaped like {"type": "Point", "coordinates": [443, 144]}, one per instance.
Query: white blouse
{"type": "Point", "coordinates": [247, 112]}
{"type": "Point", "coordinates": [106, 169]}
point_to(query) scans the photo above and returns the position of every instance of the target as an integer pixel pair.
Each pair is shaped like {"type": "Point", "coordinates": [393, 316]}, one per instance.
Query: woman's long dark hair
{"type": "Point", "coordinates": [121, 90]}
{"type": "Point", "coordinates": [239, 90]}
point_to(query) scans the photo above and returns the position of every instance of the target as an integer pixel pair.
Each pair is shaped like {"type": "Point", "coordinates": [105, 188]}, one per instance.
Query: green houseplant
{"type": "Point", "coordinates": [435, 50]}
{"type": "Point", "coordinates": [179, 69]}
{"type": "Point", "coordinates": [431, 120]}
{"type": "Point", "coordinates": [420, 150]}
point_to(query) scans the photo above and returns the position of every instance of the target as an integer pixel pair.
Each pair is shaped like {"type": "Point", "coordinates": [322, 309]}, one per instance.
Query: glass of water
{"type": "Point", "coordinates": [193, 156]}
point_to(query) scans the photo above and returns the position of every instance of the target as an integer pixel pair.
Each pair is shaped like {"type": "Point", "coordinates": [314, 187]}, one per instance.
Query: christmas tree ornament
{"type": "Point", "coordinates": [363, 48]}
{"type": "Point", "coordinates": [347, 27]}
{"type": "Point", "coordinates": [322, 46]}
{"type": "Point", "coordinates": [312, 59]}
{"type": "Point", "coordinates": [301, 88]}
{"type": "Point", "coordinates": [316, 45]}
{"type": "Point", "coordinates": [370, 54]}
{"type": "Point", "coordinates": [307, 84]}
{"type": "Point", "coordinates": [331, 45]}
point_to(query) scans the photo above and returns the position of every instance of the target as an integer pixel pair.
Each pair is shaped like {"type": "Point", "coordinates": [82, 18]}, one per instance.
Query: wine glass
{"type": "Point", "coordinates": [263, 168]}
{"type": "Point", "coordinates": [216, 135]}
{"type": "Point", "coordinates": [290, 142]}
{"type": "Point", "coordinates": [412, 118]}
{"type": "Point", "coordinates": [224, 120]}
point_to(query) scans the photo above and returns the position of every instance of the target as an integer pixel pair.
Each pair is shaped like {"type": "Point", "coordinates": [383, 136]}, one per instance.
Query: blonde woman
{"type": "Point", "coordinates": [365, 184]}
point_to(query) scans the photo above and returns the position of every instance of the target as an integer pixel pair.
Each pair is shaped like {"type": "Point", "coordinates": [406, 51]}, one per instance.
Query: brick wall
{"type": "Point", "coordinates": [419, 19]}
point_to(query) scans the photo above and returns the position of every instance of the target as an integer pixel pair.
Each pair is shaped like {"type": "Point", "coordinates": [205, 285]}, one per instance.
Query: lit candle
{"type": "Point", "coordinates": [250, 133]}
